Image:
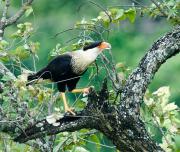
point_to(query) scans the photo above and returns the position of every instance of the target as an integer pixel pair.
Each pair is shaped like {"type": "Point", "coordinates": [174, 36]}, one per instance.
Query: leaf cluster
{"type": "Point", "coordinates": [162, 115]}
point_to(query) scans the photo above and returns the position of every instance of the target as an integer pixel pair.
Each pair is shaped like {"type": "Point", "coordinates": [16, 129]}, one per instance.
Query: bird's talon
{"type": "Point", "coordinates": [86, 91]}
{"type": "Point", "coordinates": [70, 110]}
{"type": "Point", "coordinates": [91, 88]}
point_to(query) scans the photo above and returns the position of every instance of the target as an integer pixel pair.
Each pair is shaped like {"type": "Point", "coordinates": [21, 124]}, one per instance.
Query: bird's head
{"type": "Point", "coordinates": [100, 45]}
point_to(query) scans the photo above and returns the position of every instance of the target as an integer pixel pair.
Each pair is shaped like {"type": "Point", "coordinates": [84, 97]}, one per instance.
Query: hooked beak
{"type": "Point", "coordinates": [105, 45]}
{"type": "Point", "coordinates": [108, 46]}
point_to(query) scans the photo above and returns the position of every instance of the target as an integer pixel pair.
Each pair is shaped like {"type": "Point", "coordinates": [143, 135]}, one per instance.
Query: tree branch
{"type": "Point", "coordinates": [137, 83]}
{"type": "Point", "coordinates": [159, 7]}
{"type": "Point", "coordinates": [5, 71]}
{"type": "Point", "coordinates": [83, 119]}
{"type": "Point", "coordinates": [4, 22]}
{"type": "Point", "coordinates": [19, 14]}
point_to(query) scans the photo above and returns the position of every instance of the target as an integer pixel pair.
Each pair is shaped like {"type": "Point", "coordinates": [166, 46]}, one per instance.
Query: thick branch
{"type": "Point", "coordinates": [5, 71]}
{"type": "Point", "coordinates": [137, 83]}
{"type": "Point", "coordinates": [42, 128]}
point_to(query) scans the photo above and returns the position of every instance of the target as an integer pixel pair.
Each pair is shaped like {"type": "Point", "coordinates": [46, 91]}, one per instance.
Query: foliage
{"type": "Point", "coordinates": [159, 113]}
{"type": "Point", "coordinates": [24, 47]}
{"type": "Point", "coordinates": [169, 8]}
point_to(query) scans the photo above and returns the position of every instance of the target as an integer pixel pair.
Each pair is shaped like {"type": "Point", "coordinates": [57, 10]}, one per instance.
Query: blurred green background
{"type": "Point", "coordinates": [129, 41]}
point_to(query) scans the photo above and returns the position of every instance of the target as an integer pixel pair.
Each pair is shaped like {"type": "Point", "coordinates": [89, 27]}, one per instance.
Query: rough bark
{"type": "Point", "coordinates": [5, 71]}
{"type": "Point", "coordinates": [122, 124]}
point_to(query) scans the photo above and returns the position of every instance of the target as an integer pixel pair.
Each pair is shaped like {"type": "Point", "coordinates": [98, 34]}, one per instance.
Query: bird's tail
{"type": "Point", "coordinates": [44, 73]}
{"type": "Point", "coordinates": [31, 78]}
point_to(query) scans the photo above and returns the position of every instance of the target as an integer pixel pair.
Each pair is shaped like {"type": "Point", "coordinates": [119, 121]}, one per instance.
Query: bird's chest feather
{"type": "Point", "coordinates": [81, 61]}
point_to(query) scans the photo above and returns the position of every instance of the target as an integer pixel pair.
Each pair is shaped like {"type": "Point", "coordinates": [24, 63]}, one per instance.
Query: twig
{"type": "Point", "coordinates": [158, 6]}
{"type": "Point", "coordinates": [160, 129]}
{"type": "Point", "coordinates": [111, 147]}
{"type": "Point", "coordinates": [136, 2]}
{"type": "Point", "coordinates": [19, 14]}
{"type": "Point", "coordinates": [70, 29]}
{"type": "Point", "coordinates": [105, 11]}
{"type": "Point", "coordinates": [7, 4]}
{"type": "Point", "coordinates": [109, 73]}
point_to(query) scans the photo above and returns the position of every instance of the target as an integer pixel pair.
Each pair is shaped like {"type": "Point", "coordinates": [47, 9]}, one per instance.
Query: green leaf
{"type": "Point", "coordinates": [80, 149]}
{"type": "Point", "coordinates": [20, 52]}
{"type": "Point", "coordinates": [20, 26]}
{"type": "Point", "coordinates": [6, 78]}
{"type": "Point", "coordinates": [80, 105]}
{"type": "Point", "coordinates": [94, 138]}
{"type": "Point", "coordinates": [131, 14]}
{"type": "Point", "coordinates": [4, 43]}
{"type": "Point", "coordinates": [119, 14]}
{"type": "Point", "coordinates": [41, 96]}
{"type": "Point", "coordinates": [4, 58]}
{"type": "Point", "coordinates": [29, 10]}
{"type": "Point", "coordinates": [104, 16]}
{"type": "Point", "coordinates": [34, 46]}
{"type": "Point", "coordinates": [106, 23]}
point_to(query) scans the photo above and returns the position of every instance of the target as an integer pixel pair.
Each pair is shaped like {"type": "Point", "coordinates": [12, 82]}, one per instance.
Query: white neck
{"type": "Point", "coordinates": [92, 54]}
{"type": "Point", "coordinates": [82, 59]}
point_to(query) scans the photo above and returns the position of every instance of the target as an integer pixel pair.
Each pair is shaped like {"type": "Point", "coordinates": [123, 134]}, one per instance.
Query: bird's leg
{"type": "Point", "coordinates": [84, 90]}
{"type": "Point", "coordinates": [66, 107]}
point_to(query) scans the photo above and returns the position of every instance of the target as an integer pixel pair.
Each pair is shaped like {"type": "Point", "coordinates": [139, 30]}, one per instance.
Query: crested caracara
{"type": "Point", "coordinates": [66, 69]}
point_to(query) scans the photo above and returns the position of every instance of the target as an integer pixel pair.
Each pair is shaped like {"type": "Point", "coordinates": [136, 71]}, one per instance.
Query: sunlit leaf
{"type": "Point", "coordinates": [119, 14]}
{"type": "Point", "coordinates": [20, 52]}
{"type": "Point", "coordinates": [131, 14]}
{"type": "Point", "coordinates": [3, 44]}
{"type": "Point", "coordinates": [170, 107]}
{"type": "Point", "coordinates": [80, 149]}
{"type": "Point", "coordinates": [6, 78]}
{"type": "Point", "coordinates": [28, 11]}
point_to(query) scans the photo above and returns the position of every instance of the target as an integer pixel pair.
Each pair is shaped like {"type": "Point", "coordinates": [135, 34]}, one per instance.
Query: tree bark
{"type": "Point", "coordinates": [122, 124]}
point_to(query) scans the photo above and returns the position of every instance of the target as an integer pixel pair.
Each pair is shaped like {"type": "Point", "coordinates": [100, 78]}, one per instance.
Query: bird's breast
{"type": "Point", "coordinates": [80, 62]}
{"type": "Point", "coordinates": [79, 65]}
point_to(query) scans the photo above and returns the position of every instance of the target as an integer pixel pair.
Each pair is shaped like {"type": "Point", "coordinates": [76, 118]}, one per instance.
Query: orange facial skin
{"type": "Point", "coordinates": [104, 45]}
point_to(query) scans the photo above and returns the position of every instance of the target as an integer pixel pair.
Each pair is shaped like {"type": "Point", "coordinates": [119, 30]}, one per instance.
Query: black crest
{"type": "Point", "coordinates": [92, 45]}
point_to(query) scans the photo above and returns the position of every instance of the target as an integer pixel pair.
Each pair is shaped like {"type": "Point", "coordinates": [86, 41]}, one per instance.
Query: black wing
{"type": "Point", "coordinates": [62, 73]}
{"type": "Point", "coordinates": [59, 67]}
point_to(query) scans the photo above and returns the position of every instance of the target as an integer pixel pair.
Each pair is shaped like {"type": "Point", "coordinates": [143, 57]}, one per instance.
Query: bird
{"type": "Point", "coordinates": [66, 69]}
